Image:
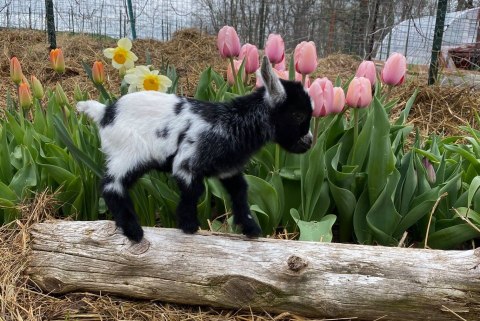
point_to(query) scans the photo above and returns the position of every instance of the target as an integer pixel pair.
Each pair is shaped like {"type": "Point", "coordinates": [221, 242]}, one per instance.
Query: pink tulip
{"type": "Point", "coordinates": [298, 77]}
{"type": "Point", "coordinates": [281, 65]}
{"type": "Point", "coordinates": [431, 176]}
{"type": "Point", "coordinates": [250, 54]}
{"type": "Point", "coordinates": [275, 48]}
{"type": "Point", "coordinates": [321, 92]}
{"type": "Point", "coordinates": [305, 57]}
{"type": "Point", "coordinates": [236, 64]}
{"type": "Point", "coordinates": [368, 70]}
{"type": "Point", "coordinates": [228, 43]}
{"type": "Point", "coordinates": [359, 93]}
{"type": "Point", "coordinates": [394, 71]}
{"type": "Point", "coordinates": [282, 74]}
{"type": "Point", "coordinates": [338, 100]}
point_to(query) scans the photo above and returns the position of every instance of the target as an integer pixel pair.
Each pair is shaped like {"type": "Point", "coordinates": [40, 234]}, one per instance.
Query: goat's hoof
{"type": "Point", "coordinates": [251, 230]}
{"type": "Point", "coordinates": [133, 232]}
{"type": "Point", "coordinates": [189, 228]}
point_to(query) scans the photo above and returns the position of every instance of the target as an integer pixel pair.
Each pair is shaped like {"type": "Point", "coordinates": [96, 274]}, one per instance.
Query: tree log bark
{"type": "Point", "coordinates": [231, 271]}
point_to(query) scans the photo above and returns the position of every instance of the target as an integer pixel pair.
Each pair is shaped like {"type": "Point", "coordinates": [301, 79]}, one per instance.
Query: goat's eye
{"type": "Point", "coordinates": [298, 117]}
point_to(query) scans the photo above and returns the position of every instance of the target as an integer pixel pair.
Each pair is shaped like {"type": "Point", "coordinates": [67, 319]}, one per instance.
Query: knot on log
{"type": "Point", "coordinates": [139, 248]}
{"type": "Point", "coordinates": [296, 263]}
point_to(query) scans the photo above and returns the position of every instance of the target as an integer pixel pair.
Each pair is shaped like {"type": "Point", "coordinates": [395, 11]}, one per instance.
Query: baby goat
{"type": "Point", "coordinates": [194, 139]}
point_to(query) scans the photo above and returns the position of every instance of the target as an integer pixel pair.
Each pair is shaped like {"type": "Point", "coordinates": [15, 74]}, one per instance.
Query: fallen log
{"type": "Point", "coordinates": [231, 271]}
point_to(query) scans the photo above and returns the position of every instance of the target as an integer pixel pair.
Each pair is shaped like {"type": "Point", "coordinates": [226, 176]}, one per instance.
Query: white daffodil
{"type": "Point", "coordinates": [142, 78]}
{"type": "Point", "coordinates": [121, 56]}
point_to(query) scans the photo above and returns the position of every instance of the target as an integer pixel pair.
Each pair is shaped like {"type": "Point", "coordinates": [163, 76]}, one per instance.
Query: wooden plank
{"type": "Point", "coordinates": [220, 270]}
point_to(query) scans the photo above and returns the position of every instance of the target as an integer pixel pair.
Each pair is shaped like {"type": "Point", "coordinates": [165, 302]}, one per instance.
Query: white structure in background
{"type": "Point", "coordinates": [414, 37]}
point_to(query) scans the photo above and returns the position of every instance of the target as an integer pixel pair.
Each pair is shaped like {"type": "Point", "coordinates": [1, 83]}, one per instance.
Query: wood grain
{"type": "Point", "coordinates": [222, 270]}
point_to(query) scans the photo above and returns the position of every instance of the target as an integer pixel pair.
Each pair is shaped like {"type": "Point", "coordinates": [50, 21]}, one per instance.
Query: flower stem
{"type": "Point", "coordinates": [304, 77]}
{"type": "Point", "coordinates": [234, 74]}
{"type": "Point", "coordinates": [316, 122]}
{"type": "Point", "coordinates": [277, 158]}
{"type": "Point", "coordinates": [355, 128]}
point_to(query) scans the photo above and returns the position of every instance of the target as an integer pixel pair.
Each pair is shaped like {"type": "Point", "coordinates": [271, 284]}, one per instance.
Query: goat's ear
{"type": "Point", "coordinates": [275, 92]}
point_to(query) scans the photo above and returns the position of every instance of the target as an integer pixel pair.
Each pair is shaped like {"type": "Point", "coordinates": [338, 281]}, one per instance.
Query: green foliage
{"type": "Point", "coordinates": [361, 179]}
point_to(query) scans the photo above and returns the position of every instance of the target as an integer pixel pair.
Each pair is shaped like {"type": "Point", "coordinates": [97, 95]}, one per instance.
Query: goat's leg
{"type": "Point", "coordinates": [237, 187]}
{"type": "Point", "coordinates": [115, 194]}
{"type": "Point", "coordinates": [187, 207]}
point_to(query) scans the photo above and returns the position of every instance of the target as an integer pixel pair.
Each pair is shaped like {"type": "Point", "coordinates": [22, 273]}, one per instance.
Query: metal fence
{"type": "Point", "coordinates": [368, 28]}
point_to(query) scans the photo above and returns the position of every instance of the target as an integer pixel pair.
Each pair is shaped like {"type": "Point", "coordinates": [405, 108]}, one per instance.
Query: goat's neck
{"type": "Point", "coordinates": [249, 122]}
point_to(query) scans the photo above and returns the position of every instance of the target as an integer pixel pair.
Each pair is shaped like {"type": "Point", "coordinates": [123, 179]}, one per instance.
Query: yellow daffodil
{"type": "Point", "coordinates": [142, 78]}
{"type": "Point", "coordinates": [121, 56]}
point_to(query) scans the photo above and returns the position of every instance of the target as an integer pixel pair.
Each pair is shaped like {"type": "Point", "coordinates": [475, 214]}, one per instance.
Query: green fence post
{"type": "Point", "coordinates": [132, 19]}
{"type": "Point", "coordinates": [52, 39]}
{"type": "Point", "coordinates": [437, 40]}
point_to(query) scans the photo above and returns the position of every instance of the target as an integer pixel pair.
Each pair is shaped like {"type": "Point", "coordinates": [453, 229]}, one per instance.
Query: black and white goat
{"type": "Point", "coordinates": [194, 139]}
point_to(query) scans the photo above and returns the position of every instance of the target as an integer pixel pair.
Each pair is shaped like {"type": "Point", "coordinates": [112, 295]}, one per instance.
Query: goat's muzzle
{"type": "Point", "coordinates": [302, 145]}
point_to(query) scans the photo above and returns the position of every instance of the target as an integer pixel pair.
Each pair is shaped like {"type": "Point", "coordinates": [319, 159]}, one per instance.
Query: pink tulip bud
{"type": "Point", "coordinates": [24, 96]}
{"type": "Point", "coordinates": [15, 70]}
{"type": "Point", "coordinates": [298, 77]}
{"type": "Point", "coordinates": [249, 53]}
{"type": "Point", "coordinates": [37, 87]}
{"type": "Point", "coordinates": [228, 43]}
{"type": "Point", "coordinates": [275, 48]}
{"type": "Point", "coordinates": [282, 74]}
{"type": "Point", "coordinates": [431, 176]}
{"type": "Point", "coordinates": [359, 93]}
{"type": "Point", "coordinates": [281, 65]}
{"type": "Point", "coordinates": [338, 100]}
{"type": "Point", "coordinates": [305, 57]}
{"type": "Point", "coordinates": [98, 73]}
{"type": "Point", "coordinates": [394, 71]}
{"type": "Point", "coordinates": [321, 92]}
{"type": "Point", "coordinates": [57, 60]}
{"type": "Point", "coordinates": [236, 64]}
{"type": "Point", "coordinates": [368, 70]}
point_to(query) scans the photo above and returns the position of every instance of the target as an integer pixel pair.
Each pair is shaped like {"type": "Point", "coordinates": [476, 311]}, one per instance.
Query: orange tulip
{"type": "Point", "coordinates": [24, 96]}
{"type": "Point", "coordinates": [15, 71]}
{"type": "Point", "coordinates": [98, 74]}
{"type": "Point", "coordinates": [57, 60]}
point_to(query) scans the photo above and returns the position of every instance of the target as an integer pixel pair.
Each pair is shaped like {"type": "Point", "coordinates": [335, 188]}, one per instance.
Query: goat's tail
{"type": "Point", "coordinates": [93, 109]}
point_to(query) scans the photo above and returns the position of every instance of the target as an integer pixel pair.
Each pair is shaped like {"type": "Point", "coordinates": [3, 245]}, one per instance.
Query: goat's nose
{"type": "Point", "coordinates": [308, 139]}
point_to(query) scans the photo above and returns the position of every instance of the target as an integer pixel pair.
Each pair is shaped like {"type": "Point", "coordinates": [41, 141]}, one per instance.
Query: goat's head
{"type": "Point", "coordinates": [291, 110]}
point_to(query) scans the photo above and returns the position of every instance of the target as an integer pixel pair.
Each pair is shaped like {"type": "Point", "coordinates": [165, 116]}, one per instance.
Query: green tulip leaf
{"type": "Point", "coordinates": [315, 231]}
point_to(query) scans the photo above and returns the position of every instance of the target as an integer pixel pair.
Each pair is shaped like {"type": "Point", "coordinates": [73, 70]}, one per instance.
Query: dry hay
{"type": "Point", "coordinates": [438, 109]}
{"type": "Point", "coordinates": [22, 300]}
{"type": "Point", "coordinates": [190, 51]}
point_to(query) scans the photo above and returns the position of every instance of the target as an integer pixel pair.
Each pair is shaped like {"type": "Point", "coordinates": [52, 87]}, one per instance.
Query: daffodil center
{"type": "Point", "coordinates": [120, 56]}
{"type": "Point", "coordinates": [151, 82]}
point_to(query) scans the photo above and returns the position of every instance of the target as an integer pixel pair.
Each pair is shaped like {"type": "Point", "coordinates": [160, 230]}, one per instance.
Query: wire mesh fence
{"type": "Point", "coordinates": [367, 28]}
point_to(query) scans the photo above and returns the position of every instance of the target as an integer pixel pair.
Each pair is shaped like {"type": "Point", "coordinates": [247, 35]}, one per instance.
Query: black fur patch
{"type": "Point", "coordinates": [178, 107]}
{"type": "Point", "coordinates": [183, 134]}
{"type": "Point", "coordinates": [109, 116]}
{"type": "Point", "coordinates": [162, 133]}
